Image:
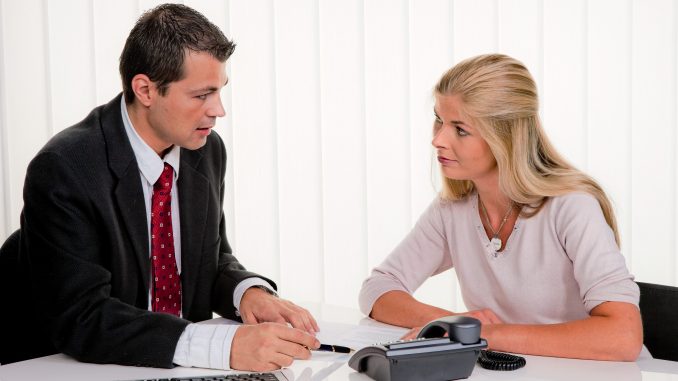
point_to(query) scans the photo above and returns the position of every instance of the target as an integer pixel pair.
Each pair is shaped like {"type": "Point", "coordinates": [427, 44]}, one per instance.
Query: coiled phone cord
{"type": "Point", "coordinates": [500, 361]}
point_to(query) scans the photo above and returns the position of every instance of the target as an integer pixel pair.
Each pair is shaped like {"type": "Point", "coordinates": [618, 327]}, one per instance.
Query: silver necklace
{"type": "Point", "coordinates": [496, 241]}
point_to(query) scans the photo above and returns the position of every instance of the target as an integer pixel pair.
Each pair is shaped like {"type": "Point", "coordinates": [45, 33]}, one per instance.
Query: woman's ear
{"type": "Point", "coordinates": [143, 88]}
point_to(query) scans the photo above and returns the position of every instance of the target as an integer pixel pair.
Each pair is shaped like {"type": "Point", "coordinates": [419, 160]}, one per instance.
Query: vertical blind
{"type": "Point", "coordinates": [330, 112]}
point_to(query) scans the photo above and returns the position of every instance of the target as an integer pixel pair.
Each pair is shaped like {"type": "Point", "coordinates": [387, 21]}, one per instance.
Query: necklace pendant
{"type": "Point", "coordinates": [496, 243]}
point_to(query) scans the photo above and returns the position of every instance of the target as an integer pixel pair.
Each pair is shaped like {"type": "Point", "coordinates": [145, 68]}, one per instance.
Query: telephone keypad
{"type": "Point", "coordinates": [419, 342]}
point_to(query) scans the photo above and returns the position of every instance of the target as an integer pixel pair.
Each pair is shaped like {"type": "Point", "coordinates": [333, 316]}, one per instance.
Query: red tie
{"type": "Point", "coordinates": [166, 292]}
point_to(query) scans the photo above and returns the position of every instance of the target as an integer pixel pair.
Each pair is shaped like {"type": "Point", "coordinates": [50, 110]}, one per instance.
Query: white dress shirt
{"type": "Point", "coordinates": [200, 345]}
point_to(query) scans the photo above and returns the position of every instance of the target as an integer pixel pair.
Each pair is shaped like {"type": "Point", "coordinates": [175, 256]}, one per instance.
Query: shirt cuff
{"type": "Point", "coordinates": [205, 346]}
{"type": "Point", "coordinates": [243, 286]}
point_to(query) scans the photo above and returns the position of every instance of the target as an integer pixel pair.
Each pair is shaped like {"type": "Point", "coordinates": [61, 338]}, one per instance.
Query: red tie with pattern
{"type": "Point", "coordinates": [166, 292]}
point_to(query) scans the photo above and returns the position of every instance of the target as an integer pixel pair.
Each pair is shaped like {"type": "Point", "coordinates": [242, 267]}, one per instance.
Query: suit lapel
{"type": "Point", "coordinates": [130, 199]}
{"type": "Point", "coordinates": [193, 203]}
{"type": "Point", "coordinates": [193, 190]}
{"type": "Point", "coordinates": [129, 195]}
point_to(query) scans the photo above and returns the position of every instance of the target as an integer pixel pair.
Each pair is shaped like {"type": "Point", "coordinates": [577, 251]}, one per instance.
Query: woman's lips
{"type": "Point", "coordinates": [443, 160]}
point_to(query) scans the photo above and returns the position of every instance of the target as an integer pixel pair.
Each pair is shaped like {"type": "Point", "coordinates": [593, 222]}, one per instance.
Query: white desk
{"type": "Point", "coordinates": [60, 367]}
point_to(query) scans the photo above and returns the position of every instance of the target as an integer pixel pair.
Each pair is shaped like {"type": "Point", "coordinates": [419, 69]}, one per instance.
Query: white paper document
{"type": "Point", "coordinates": [354, 336]}
{"type": "Point", "coordinates": [358, 336]}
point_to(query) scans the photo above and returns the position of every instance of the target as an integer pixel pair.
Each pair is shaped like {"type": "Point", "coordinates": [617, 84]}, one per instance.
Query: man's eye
{"type": "Point", "coordinates": [203, 96]}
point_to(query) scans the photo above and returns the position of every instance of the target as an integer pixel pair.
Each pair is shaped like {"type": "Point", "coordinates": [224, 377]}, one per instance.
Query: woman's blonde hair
{"type": "Point", "coordinates": [499, 96]}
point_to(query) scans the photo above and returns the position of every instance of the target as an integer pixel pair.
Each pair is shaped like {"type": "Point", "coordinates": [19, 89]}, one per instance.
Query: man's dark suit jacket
{"type": "Point", "coordinates": [84, 248]}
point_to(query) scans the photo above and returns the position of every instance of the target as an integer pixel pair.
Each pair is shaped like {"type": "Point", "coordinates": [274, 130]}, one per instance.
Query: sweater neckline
{"type": "Point", "coordinates": [482, 236]}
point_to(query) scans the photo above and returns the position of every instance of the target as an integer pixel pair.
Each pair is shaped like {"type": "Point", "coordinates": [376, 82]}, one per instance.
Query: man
{"type": "Point", "coordinates": [122, 231]}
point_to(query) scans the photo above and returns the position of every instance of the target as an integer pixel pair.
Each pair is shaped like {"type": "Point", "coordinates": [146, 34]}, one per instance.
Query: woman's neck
{"type": "Point", "coordinates": [498, 213]}
{"type": "Point", "coordinates": [492, 197]}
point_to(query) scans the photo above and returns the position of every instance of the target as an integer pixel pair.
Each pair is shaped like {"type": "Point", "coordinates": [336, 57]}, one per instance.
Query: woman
{"type": "Point", "coordinates": [533, 241]}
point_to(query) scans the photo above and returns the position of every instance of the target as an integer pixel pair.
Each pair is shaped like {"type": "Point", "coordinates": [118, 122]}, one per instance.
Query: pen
{"type": "Point", "coordinates": [334, 348]}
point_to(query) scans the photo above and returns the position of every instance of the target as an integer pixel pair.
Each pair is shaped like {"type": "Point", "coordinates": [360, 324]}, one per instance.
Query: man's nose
{"type": "Point", "coordinates": [216, 108]}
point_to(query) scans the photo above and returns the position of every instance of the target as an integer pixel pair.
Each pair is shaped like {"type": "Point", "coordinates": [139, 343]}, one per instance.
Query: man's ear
{"type": "Point", "coordinates": [144, 89]}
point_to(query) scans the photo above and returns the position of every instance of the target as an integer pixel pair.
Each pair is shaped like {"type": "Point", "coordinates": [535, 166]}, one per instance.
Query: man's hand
{"type": "Point", "coordinates": [269, 346]}
{"type": "Point", "coordinates": [258, 306]}
{"type": "Point", "coordinates": [486, 317]}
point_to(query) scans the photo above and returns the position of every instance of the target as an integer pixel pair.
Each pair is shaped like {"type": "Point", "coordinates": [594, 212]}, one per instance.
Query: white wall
{"type": "Point", "coordinates": [330, 115]}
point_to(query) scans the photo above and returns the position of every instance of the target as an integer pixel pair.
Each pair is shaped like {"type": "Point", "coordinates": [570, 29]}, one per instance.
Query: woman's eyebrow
{"type": "Point", "coordinates": [451, 121]}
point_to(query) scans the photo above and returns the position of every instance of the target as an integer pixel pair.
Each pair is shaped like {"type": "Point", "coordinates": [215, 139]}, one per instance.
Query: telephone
{"type": "Point", "coordinates": [428, 357]}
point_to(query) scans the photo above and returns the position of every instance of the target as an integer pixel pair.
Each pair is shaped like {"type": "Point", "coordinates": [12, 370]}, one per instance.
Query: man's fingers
{"type": "Point", "coordinates": [269, 346]}
{"type": "Point", "coordinates": [267, 367]}
{"type": "Point", "coordinates": [280, 320]}
{"type": "Point", "coordinates": [298, 336]}
{"type": "Point", "coordinates": [281, 360]}
{"type": "Point", "coordinates": [267, 308]}
{"type": "Point", "coordinates": [294, 319]}
{"type": "Point", "coordinates": [314, 323]}
{"type": "Point", "coordinates": [301, 318]}
{"type": "Point", "coordinates": [309, 321]}
{"type": "Point", "coordinates": [294, 350]}
{"type": "Point", "coordinates": [249, 318]}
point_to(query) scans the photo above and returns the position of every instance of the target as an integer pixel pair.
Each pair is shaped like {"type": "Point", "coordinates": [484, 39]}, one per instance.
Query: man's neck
{"type": "Point", "coordinates": [138, 116]}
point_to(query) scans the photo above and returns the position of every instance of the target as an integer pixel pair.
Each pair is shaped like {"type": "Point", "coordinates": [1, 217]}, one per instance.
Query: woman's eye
{"type": "Point", "coordinates": [437, 125]}
{"type": "Point", "coordinates": [461, 131]}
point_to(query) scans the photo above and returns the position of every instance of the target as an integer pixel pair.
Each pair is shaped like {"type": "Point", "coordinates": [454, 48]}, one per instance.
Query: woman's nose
{"type": "Point", "coordinates": [439, 138]}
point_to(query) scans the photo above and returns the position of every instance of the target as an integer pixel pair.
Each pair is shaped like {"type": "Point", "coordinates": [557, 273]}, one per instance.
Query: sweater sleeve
{"type": "Point", "coordinates": [599, 266]}
{"type": "Point", "coordinates": [423, 253]}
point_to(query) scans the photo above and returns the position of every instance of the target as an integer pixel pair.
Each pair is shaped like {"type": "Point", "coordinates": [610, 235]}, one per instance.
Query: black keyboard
{"type": "Point", "coordinates": [232, 377]}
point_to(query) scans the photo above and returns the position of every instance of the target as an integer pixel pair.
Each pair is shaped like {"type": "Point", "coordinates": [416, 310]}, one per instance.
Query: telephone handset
{"type": "Point", "coordinates": [428, 357]}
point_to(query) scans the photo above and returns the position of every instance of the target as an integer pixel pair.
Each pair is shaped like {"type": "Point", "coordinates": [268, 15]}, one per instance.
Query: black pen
{"type": "Point", "coordinates": [334, 348]}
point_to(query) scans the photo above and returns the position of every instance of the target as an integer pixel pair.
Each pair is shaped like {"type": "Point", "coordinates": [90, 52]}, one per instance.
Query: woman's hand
{"type": "Point", "coordinates": [412, 333]}
{"type": "Point", "coordinates": [486, 317]}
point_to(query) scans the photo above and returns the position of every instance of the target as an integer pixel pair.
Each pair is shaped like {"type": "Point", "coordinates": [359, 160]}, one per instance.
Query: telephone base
{"type": "Point", "coordinates": [432, 366]}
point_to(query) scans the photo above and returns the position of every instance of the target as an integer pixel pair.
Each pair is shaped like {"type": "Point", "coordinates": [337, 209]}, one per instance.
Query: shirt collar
{"type": "Point", "coordinates": [150, 164]}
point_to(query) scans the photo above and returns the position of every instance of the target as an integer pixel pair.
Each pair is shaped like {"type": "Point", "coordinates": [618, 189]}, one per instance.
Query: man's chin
{"type": "Point", "coordinates": [194, 144]}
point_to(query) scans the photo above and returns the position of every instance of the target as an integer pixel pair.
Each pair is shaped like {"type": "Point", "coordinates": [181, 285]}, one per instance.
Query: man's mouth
{"type": "Point", "coordinates": [204, 131]}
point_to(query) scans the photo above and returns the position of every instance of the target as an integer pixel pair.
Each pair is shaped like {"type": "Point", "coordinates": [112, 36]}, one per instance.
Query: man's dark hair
{"type": "Point", "coordinates": [157, 44]}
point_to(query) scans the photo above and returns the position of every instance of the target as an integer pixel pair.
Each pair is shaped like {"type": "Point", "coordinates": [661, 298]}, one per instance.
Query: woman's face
{"type": "Point", "coordinates": [462, 153]}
